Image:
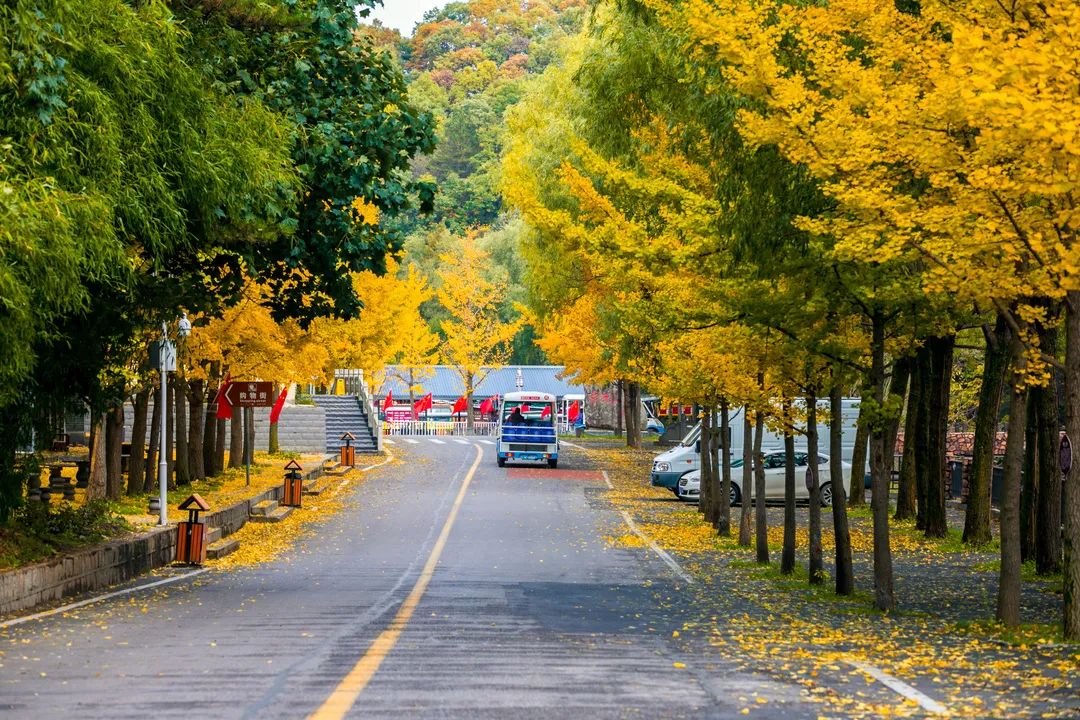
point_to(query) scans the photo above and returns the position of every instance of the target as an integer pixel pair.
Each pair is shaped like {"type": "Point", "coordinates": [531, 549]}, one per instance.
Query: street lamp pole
{"type": "Point", "coordinates": [163, 462]}
{"type": "Point", "coordinates": [166, 362]}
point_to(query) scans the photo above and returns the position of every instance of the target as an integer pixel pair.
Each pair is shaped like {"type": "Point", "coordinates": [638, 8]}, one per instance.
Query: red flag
{"type": "Point", "coordinates": [488, 406]}
{"type": "Point", "coordinates": [422, 404]}
{"type": "Point", "coordinates": [275, 412]}
{"type": "Point", "coordinates": [546, 412]}
{"type": "Point", "coordinates": [224, 409]}
{"type": "Point", "coordinates": [460, 405]}
{"type": "Point", "coordinates": [388, 401]}
{"type": "Point", "coordinates": [573, 411]}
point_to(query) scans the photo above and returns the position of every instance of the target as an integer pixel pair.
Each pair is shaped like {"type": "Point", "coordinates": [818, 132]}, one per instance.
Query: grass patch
{"type": "Point", "coordinates": [1023, 636]}
{"type": "Point", "coordinates": [38, 531]}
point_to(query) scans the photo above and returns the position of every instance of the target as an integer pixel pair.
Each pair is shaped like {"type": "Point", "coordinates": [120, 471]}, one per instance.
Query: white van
{"type": "Point", "coordinates": [669, 466]}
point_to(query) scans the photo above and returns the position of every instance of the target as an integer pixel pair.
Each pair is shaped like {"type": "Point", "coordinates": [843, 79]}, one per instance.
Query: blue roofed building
{"type": "Point", "coordinates": [445, 384]}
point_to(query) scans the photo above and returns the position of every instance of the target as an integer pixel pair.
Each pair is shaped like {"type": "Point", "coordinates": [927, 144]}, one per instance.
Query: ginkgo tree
{"type": "Point", "coordinates": [477, 339]}
{"type": "Point", "coordinates": [940, 130]}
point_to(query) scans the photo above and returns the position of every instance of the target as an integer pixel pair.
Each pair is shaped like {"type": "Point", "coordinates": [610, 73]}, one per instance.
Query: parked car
{"type": "Point", "coordinates": [689, 485]}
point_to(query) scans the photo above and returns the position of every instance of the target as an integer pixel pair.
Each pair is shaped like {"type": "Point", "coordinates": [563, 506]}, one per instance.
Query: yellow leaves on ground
{"type": "Point", "coordinates": [263, 542]}
{"type": "Point", "coordinates": [779, 626]}
{"type": "Point", "coordinates": [231, 486]}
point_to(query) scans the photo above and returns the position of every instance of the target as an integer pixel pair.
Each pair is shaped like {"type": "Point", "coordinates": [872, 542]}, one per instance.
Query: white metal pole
{"type": "Point", "coordinates": [163, 462]}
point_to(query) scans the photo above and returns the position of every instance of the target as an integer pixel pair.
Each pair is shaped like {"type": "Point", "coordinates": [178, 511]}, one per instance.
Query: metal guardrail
{"type": "Point", "coordinates": [458, 428]}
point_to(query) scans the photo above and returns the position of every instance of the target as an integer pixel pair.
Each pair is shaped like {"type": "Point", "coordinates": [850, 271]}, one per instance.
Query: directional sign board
{"type": "Point", "coordinates": [250, 394]}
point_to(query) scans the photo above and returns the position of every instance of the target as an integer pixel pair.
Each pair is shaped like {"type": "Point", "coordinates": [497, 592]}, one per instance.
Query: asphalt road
{"type": "Point", "coordinates": [528, 612]}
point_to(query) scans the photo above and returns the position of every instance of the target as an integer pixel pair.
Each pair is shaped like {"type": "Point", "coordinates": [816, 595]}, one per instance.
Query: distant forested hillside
{"type": "Point", "coordinates": [467, 63]}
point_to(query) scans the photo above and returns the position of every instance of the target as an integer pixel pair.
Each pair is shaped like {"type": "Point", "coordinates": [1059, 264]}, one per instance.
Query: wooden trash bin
{"type": "Point", "coordinates": [191, 534]}
{"type": "Point", "coordinates": [294, 485]}
{"type": "Point", "coordinates": [348, 452]}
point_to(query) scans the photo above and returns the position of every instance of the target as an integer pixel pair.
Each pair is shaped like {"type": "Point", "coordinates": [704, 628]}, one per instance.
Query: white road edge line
{"type": "Point", "coordinates": [901, 688]}
{"type": "Point", "coordinates": [487, 442]}
{"type": "Point", "coordinates": [99, 598]}
{"type": "Point", "coordinates": [388, 441]}
{"type": "Point", "coordinates": [459, 441]}
{"type": "Point", "coordinates": [411, 441]}
{"type": "Point", "coordinates": [675, 567]}
{"type": "Point", "coordinates": [607, 479]}
{"type": "Point", "coordinates": [437, 441]}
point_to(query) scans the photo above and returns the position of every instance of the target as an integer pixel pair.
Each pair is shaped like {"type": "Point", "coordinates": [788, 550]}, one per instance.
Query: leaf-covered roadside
{"type": "Point", "coordinates": [263, 542]}
{"type": "Point", "coordinates": [781, 626]}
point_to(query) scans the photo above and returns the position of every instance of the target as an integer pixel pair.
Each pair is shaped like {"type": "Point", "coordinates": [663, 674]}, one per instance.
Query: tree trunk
{"type": "Point", "coordinates": [273, 445]}
{"type": "Point", "coordinates": [633, 415]}
{"type": "Point", "coordinates": [210, 425]}
{"type": "Point", "coordinates": [219, 446]}
{"type": "Point", "coordinates": [902, 372]}
{"type": "Point", "coordinates": [906, 494]}
{"type": "Point", "coordinates": [858, 457]}
{"type": "Point", "coordinates": [619, 402]}
{"type": "Point", "coordinates": [1029, 483]}
{"type": "Point", "coordinates": [995, 364]}
{"type": "Point", "coordinates": [1071, 539]}
{"type": "Point", "coordinates": [747, 483]}
{"type": "Point", "coordinates": [236, 439]}
{"type": "Point", "coordinates": [1048, 512]}
{"type": "Point", "coordinates": [137, 461]}
{"type": "Point", "coordinates": [787, 555]}
{"type": "Point", "coordinates": [1008, 601]}
{"type": "Point", "coordinates": [941, 362]}
{"type": "Point", "coordinates": [196, 425]}
{"type": "Point", "coordinates": [761, 519]}
{"type": "Point", "coordinates": [922, 436]}
{"type": "Point", "coordinates": [817, 563]}
{"type": "Point", "coordinates": [884, 597]}
{"type": "Point", "coordinates": [845, 578]}
{"type": "Point", "coordinates": [723, 525]}
{"type": "Point", "coordinates": [180, 431]}
{"type": "Point", "coordinates": [96, 485]}
{"type": "Point", "coordinates": [705, 455]}
{"type": "Point", "coordinates": [114, 443]}
{"type": "Point", "coordinates": [151, 480]}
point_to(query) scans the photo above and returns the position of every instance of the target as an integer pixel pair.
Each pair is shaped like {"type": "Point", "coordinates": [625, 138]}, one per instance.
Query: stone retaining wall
{"type": "Point", "coordinates": [301, 428]}
{"type": "Point", "coordinates": [116, 561]}
{"type": "Point", "coordinates": [85, 570]}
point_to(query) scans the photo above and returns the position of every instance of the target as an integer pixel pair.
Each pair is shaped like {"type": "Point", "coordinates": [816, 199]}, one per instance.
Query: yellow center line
{"type": "Point", "coordinates": [348, 690]}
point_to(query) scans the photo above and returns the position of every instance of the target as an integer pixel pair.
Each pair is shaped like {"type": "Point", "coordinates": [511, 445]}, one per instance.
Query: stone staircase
{"type": "Point", "coordinates": [345, 413]}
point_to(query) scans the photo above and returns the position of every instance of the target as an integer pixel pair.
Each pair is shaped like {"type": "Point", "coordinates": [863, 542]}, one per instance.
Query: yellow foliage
{"type": "Point", "coordinates": [477, 339]}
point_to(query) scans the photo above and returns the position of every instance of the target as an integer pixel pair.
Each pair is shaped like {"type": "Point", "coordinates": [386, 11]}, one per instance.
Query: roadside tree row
{"type": "Point", "coordinates": [745, 203]}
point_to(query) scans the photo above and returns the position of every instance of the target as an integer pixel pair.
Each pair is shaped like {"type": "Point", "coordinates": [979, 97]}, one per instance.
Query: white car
{"type": "Point", "coordinates": [689, 487]}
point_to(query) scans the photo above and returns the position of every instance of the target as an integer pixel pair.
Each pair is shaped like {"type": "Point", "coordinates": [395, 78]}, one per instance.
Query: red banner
{"type": "Point", "coordinates": [275, 412]}
{"type": "Point", "coordinates": [224, 409]}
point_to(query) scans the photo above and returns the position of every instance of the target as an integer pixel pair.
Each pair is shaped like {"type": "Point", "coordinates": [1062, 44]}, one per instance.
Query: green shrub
{"type": "Point", "coordinates": [68, 526]}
